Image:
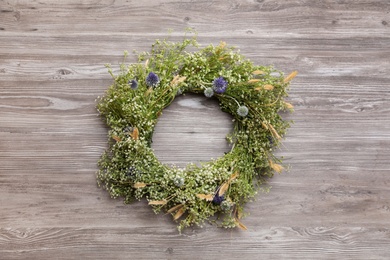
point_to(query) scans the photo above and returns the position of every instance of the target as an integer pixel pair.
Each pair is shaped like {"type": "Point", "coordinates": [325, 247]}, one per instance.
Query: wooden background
{"type": "Point", "coordinates": [334, 203]}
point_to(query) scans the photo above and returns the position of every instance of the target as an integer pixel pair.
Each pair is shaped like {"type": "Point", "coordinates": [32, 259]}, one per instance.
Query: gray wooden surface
{"type": "Point", "coordinates": [334, 203]}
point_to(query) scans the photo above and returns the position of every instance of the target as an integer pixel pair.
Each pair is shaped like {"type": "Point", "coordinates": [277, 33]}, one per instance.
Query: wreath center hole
{"type": "Point", "coordinates": [192, 129]}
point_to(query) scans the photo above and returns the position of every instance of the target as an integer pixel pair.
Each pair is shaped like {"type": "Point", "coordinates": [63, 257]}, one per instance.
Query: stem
{"type": "Point", "coordinates": [206, 83]}
{"type": "Point", "coordinates": [238, 104]}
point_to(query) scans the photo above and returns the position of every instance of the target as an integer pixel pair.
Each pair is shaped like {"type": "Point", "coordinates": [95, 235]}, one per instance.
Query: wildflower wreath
{"type": "Point", "coordinates": [215, 190]}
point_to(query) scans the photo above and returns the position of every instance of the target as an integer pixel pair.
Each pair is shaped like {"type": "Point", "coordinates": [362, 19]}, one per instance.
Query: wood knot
{"type": "Point", "coordinates": [17, 15]}
{"type": "Point", "coordinates": [169, 250]}
{"type": "Point", "coordinates": [64, 72]}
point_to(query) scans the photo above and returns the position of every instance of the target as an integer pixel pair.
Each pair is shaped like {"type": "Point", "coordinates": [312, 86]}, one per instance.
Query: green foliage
{"type": "Point", "coordinates": [129, 168]}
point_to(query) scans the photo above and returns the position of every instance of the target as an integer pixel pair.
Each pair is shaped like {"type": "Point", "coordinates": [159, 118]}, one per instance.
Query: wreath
{"type": "Point", "coordinates": [216, 190]}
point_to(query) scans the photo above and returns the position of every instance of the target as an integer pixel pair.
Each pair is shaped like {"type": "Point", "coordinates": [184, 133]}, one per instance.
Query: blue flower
{"type": "Point", "coordinates": [133, 83]}
{"type": "Point", "coordinates": [242, 111]}
{"type": "Point", "coordinates": [218, 199]}
{"type": "Point", "coordinates": [152, 80]}
{"type": "Point", "coordinates": [208, 92]}
{"type": "Point", "coordinates": [219, 85]}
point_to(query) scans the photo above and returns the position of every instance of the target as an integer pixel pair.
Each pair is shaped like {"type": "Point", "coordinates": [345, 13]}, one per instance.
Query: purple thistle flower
{"type": "Point", "coordinates": [218, 199]}
{"type": "Point", "coordinates": [133, 83]}
{"type": "Point", "coordinates": [219, 85]}
{"type": "Point", "coordinates": [152, 80]}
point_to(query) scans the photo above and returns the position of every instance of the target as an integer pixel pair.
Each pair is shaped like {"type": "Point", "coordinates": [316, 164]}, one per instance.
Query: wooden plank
{"type": "Point", "coordinates": [179, 139]}
{"type": "Point", "coordinates": [122, 243]}
{"type": "Point", "coordinates": [334, 203]}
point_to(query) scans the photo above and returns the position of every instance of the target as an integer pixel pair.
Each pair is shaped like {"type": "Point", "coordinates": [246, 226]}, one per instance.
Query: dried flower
{"type": "Point", "coordinates": [276, 167]}
{"type": "Point", "coordinates": [139, 185]}
{"type": "Point", "coordinates": [133, 83]}
{"type": "Point", "coordinates": [152, 80]}
{"type": "Point", "coordinates": [208, 92]}
{"type": "Point", "coordinates": [219, 85]}
{"type": "Point", "coordinates": [290, 77]}
{"type": "Point", "coordinates": [242, 111]}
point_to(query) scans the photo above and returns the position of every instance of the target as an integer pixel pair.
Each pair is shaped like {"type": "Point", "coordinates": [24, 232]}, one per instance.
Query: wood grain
{"type": "Point", "coordinates": [180, 138]}
{"type": "Point", "coordinates": [333, 203]}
